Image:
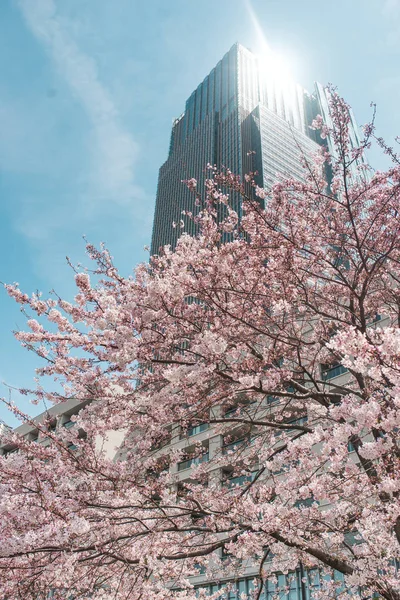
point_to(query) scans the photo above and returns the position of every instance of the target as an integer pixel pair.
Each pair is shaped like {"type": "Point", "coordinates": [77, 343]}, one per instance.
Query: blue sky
{"type": "Point", "coordinates": [88, 91]}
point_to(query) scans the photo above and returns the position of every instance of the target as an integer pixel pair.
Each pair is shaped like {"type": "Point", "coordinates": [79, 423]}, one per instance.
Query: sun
{"type": "Point", "coordinates": [274, 68]}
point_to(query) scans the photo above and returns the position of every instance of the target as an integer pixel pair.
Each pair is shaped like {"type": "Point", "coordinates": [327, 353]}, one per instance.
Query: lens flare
{"type": "Point", "coordinates": [273, 67]}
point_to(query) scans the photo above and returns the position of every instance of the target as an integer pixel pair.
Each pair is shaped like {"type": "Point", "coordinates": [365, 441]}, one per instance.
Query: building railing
{"type": "Point", "coordinates": [192, 462]}
{"type": "Point", "coordinates": [236, 445]}
{"type": "Point", "coordinates": [333, 371]}
{"type": "Point", "coordinates": [240, 480]}
{"type": "Point", "coordinates": [195, 430]}
{"type": "Point", "coordinates": [301, 584]}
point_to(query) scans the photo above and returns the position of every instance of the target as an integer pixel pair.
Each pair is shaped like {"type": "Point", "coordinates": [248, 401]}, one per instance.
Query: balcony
{"type": "Point", "coordinates": [299, 421]}
{"type": "Point", "coordinates": [231, 412]}
{"type": "Point", "coordinates": [238, 409]}
{"type": "Point", "coordinates": [329, 372]}
{"type": "Point", "coordinates": [195, 430]}
{"type": "Point", "coordinates": [236, 445]}
{"type": "Point", "coordinates": [271, 400]}
{"type": "Point", "coordinates": [239, 481]}
{"type": "Point", "coordinates": [192, 462]}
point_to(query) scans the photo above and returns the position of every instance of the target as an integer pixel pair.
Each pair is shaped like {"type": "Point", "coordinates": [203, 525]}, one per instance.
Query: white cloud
{"type": "Point", "coordinates": [113, 149]}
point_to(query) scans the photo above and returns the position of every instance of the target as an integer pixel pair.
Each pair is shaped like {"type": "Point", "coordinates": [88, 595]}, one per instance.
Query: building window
{"type": "Point", "coordinates": [195, 430]}
{"type": "Point", "coordinates": [272, 400]}
{"type": "Point", "coordinates": [285, 586]}
{"type": "Point", "coordinates": [235, 445]}
{"type": "Point", "coordinates": [331, 371]}
{"type": "Point", "coordinates": [237, 481]}
{"type": "Point", "coordinates": [192, 462]}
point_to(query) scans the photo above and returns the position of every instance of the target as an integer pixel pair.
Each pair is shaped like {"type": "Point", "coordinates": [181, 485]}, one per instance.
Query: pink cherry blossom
{"type": "Point", "coordinates": [240, 394]}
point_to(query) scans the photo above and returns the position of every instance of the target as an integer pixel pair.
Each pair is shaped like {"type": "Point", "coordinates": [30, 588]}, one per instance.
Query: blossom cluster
{"type": "Point", "coordinates": [264, 354]}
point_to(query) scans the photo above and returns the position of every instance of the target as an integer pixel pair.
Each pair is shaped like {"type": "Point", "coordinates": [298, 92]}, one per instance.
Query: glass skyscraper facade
{"type": "Point", "coordinates": [242, 106]}
{"type": "Point", "coordinates": [245, 117]}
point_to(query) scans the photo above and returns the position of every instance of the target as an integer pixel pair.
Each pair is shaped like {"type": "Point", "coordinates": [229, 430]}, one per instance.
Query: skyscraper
{"type": "Point", "coordinates": [244, 105]}
{"type": "Point", "coordinates": [247, 117]}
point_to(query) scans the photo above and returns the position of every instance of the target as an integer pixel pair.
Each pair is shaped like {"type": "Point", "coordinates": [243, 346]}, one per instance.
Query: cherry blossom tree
{"type": "Point", "coordinates": [277, 336]}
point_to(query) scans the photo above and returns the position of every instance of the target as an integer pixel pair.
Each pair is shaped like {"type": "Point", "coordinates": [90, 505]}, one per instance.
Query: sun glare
{"type": "Point", "coordinates": [275, 68]}
{"type": "Point", "coordinates": [272, 66]}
